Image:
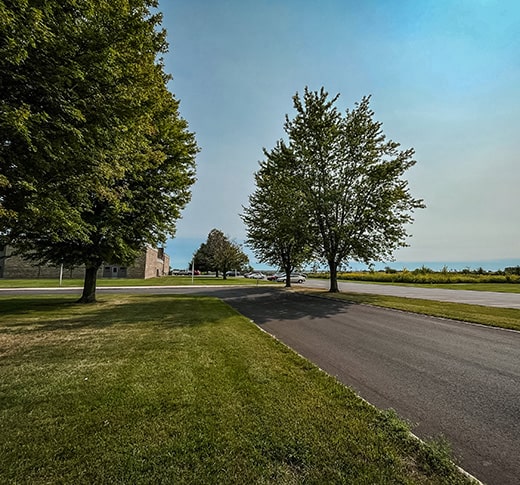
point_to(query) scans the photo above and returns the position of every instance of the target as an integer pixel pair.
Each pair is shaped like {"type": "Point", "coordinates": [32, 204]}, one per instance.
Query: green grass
{"type": "Point", "coordinates": [498, 287]}
{"type": "Point", "coordinates": [431, 279]}
{"type": "Point", "coordinates": [161, 281]}
{"type": "Point", "coordinates": [492, 316]}
{"type": "Point", "coordinates": [178, 389]}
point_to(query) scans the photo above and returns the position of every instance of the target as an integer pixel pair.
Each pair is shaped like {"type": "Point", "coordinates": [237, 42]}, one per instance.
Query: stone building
{"type": "Point", "coordinates": [151, 263]}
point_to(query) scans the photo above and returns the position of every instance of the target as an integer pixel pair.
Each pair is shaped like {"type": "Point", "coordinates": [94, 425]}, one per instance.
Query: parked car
{"type": "Point", "coordinates": [295, 278]}
{"type": "Point", "coordinates": [257, 276]}
{"type": "Point", "coordinates": [274, 277]}
{"type": "Point", "coordinates": [233, 273]}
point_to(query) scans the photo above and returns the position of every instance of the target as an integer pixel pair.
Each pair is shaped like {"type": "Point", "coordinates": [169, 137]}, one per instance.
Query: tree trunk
{"type": "Point", "coordinates": [333, 268]}
{"type": "Point", "coordinates": [288, 271]}
{"type": "Point", "coordinates": [89, 285]}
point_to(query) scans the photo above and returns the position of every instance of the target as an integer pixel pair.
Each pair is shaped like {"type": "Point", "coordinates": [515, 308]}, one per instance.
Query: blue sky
{"type": "Point", "coordinates": [444, 78]}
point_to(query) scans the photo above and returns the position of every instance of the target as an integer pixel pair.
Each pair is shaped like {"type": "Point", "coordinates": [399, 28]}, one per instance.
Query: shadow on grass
{"type": "Point", "coordinates": [30, 305]}
{"type": "Point", "coordinates": [27, 314]}
{"type": "Point", "coordinates": [187, 307]}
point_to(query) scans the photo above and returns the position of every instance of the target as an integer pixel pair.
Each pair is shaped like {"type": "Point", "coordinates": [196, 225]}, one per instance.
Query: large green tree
{"type": "Point", "coordinates": [350, 180]}
{"type": "Point", "coordinates": [219, 254]}
{"type": "Point", "coordinates": [95, 160]}
{"type": "Point", "coordinates": [202, 259]}
{"type": "Point", "coordinates": [277, 219]}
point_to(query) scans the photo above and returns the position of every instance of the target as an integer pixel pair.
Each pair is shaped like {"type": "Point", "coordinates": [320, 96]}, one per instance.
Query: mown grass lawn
{"type": "Point", "coordinates": [498, 287]}
{"type": "Point", "coordinates": [160, 281]}
{"type": "Point", "coordinates": [182, 390]}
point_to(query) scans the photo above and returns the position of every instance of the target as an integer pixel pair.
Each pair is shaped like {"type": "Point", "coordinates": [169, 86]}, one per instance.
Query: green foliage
{"type": "Point", "coordinates": [420, 276]}
{"type": "Point", "coordinates": [202, 259]}
{"type": "Point", "coordinates": [95, 159]}
{"type": "Point", "coordinates": [514, 270]}
{"type": "Point", "coordinates": [348, 179]}
{"type": "Point", "coordinates": [277, 218]}
{"type": "Point", "coordinates": [219, 254]}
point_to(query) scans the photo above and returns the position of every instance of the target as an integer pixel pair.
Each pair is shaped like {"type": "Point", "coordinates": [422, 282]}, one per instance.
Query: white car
{"type": "Point", "coordinates": [295, 278]}
{"type": "Point", "coordinates": [257, 276]}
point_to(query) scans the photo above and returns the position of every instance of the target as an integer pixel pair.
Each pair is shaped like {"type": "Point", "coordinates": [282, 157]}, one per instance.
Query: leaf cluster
{"type": "Point", "coordinates": [337, 187]}
{"type": "Point", "coordinates": [95, 160]}
{"type": "Point", "coordinates": [276, 218]}
{"type": "Point", "coordinates": [218, 253]}
{"type": "Point", "coordinates": [352, 177]}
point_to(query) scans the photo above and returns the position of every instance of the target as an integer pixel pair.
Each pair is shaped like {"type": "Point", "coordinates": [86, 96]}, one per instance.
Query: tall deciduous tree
{"type": "Point", "coordinates": [352, 180]}
{"type": "Point", "coordinates": [277, 216]}
{"type": "Point", "coordinates": [202, 259]}
{"type": "Point", "coordinates": [95, 161]}
{"type": "Point", "coordinates": [219, 254]}
{"type": "Point", "coordinates": [349, 181]}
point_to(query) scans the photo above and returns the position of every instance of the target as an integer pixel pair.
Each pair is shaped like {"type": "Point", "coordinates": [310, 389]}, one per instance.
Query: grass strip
{"type": "Point", "coordinates": [181, 389]}
{"type": "Point", "coordinates": [160, 281]}
{"type": "Point", "coordinates": [505, 283]}
{"type": "Point", "coordinates": [492, 316]}
{"type": "Point", "coordinates": [495, 287]}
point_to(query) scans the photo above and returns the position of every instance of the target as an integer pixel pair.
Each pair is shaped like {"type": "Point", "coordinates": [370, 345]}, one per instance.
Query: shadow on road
{"type": "Point", "coordinates": [263, 305]}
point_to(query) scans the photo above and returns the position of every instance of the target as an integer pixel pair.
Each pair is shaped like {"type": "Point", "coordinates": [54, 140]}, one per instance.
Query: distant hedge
{"type": "Point", "coordinates": [424, 277]}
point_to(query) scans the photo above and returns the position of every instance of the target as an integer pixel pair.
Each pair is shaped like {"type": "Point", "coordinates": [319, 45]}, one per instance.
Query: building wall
{"type": "Point", "coordinates": [15, 267]}
{"type": "Point", "coordinates": [151, 263]}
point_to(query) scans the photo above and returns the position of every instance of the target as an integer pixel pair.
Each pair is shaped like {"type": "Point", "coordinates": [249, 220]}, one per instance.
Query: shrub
{"type": "Point", "coordinates": [425, 275]}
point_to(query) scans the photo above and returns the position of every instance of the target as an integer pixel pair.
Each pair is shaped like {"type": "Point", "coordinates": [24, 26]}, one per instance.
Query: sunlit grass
{"type": "Point", "coordinates": [492, 316]}
{"type": "Point", "coordinates": [496, 287]}
{"type": "Point", "coordinates": [161, 281]}
{"type": "Point", "coordinates": [507, 283]}
{"type": "Point", "coordinates": [178, 389]}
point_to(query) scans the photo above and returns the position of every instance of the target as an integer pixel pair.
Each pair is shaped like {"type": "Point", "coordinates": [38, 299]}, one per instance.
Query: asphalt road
{"type": "Point", "coordinates": [446, 377]}
{"type": "Point", "coordinates": [485, 298]}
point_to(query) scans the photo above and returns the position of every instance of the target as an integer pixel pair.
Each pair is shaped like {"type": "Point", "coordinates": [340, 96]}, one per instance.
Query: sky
{"type": "Point", "coordinates": [444, 78]}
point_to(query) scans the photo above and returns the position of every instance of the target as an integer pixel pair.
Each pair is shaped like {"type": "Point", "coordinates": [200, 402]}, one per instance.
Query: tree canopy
{"type": "Point", "coordinates": [219, 254]}
{"type": "Point", "coordinates": [277, 216]}
{"type": "Point", "coordinates": [349, 181]}
{"type": "Point", "coordinates": [95, 160]}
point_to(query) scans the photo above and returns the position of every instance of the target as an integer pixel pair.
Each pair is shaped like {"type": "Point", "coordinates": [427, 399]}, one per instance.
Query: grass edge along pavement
{"type": "Point", "coordinates": [175, 388]}
{"type": "Point", "coordinates": [508, 318]}
{"type": "Point", "coordinates": [156, 281]}
{"type": "Point", "coordinates": [506, 283]}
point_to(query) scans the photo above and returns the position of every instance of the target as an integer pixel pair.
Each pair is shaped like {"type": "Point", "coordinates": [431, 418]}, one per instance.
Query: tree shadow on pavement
{"type": "Point", "coordinates": [264, 305]}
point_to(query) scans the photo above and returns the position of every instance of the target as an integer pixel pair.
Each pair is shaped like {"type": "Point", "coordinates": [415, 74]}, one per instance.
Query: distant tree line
{"type": "Point", "coordinates": [426, 275]}
{"type": "Point", "coordinates": [512, 270]}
